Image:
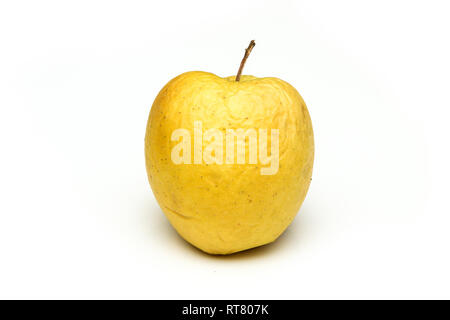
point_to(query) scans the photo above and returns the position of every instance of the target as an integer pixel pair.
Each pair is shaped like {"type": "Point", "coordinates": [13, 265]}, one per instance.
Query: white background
{"type": "Point", "coordinates": [77, 80]}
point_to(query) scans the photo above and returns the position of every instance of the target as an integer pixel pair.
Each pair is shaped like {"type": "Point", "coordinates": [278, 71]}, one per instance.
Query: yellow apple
{"type": "Point", "coordinates": [221, 196]}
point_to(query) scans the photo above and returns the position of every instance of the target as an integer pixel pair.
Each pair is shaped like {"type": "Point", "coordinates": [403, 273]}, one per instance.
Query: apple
{"type": "Point", "coordinates": [229, 159]}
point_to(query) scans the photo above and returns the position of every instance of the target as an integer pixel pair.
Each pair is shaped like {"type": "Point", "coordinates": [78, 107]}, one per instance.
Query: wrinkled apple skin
{"type": "Point", "coordinates": [222, 209]}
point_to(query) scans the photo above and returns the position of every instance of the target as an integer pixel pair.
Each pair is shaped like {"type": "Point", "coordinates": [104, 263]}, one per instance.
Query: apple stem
{"type": "Point", "coordinates": [247, 53]}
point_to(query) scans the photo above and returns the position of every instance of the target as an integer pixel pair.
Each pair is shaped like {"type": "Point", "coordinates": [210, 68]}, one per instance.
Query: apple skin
{"type": "Point", "coordinates": [226, 208]}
